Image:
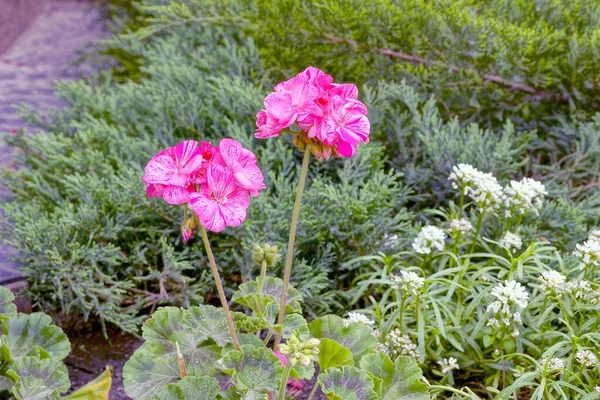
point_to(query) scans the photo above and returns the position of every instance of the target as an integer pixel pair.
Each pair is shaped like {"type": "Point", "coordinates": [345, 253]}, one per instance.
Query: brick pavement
{"type": "Point", "coordinates": [28, 68]}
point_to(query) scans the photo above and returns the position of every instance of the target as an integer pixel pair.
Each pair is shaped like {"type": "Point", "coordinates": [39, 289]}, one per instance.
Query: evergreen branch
{"type": "Point", "coordinates": [514, 86]}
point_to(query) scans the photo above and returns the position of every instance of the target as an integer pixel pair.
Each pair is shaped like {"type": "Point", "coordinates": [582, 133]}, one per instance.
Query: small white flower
{"type": "Point", "coordinates": [493, 322]}
{"type": "Point", "coordinates": [358, 318]}
{"type": "Point", "coordinates": [553, 283]}
{"type": "Point", "coordinates": [517, 317]}
{"type": "Point", "coordinates": [482, 188]}
{"type": "Point", "coordinates": [511, 241]}
{"type": "Point", "coordinates": [525, 195]}
{"type": "Point", "coordinates": [588, 253]}
{"type": "Point", "coordinates": [586, 358]}
{"type": "Point", "coordinates": [594, 296]}
{"type": "Point", "coordinates": [460, 227]}
{"type": "Point", "coordinates": [511, 293]}
{"type": "Point", "coordinates": [515, 333]}
{"type": "Point", "coordinates": [408, 282]}
{"type": "Point", "coordinates": [579, 289]}
{"type": "Point", "coordinates": [597, 388]}
{"type": "Point", "coordinates": [400, 344]}
{"type": "Point", "coordinates": [554, 363]}
{"type": "Point", "coordinates": [448, 364]}
{"type": "Point", "coordinates": [428, 239]}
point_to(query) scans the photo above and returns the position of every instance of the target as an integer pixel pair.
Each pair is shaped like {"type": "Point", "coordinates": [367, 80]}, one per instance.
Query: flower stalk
{"type": "Point", "coordinates": [217, 276]}
{"type": "Point", "coordinates": [292, 240]}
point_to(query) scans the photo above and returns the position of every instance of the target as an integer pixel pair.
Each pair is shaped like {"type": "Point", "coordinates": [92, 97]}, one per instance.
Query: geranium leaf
{"type": "Point", "coordinates": [248, 295]}
{"type": "Point", "coordinates": [169, 327]}
{"type": "Point", "coordinates": [254, 371]}
{"type": "Point", "coordinates": [348, 383]}
{"type": "Point", "coordinates": [208, 322]}
{"type": "Point", "coordinates": [39, 379]}
{"type": "Point", "coordinates": [23, 332]}
{"type": "Point", "coordinates": [333, 354]}
{"type": "Point", "coordinates": [98, 389]}
{"type": "Point", "coordinates": [399, 380]}
{"type": "Point", "coordinates": [190, 388]}
{"type": "Point", "coordinates": [7, 307]}
{"type": "Point", "coordinates": [357, 338]}
{"type": "Point", "coordinates": [294, 322]}
{"type": "Point", "coordinates": [142, 376]}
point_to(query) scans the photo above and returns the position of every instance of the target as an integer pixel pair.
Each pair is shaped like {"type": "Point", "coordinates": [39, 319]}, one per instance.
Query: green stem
{"type": "Point", "coordinates": [477, 230]}
{"type": "Point", "coordinates": [313, 392]}
{"type": "Point", "coordinates": [292, 239]}
{"type": "Point", "coordinates": [286, 375]}
{"type": "Point", "coordinates": [263, 276]}
{"type": "Point", "coordinates": [217, 276]}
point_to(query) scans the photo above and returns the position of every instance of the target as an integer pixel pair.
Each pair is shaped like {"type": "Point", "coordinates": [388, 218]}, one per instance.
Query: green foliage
{"type": "Point", "coordinates": [32, 350]}
{"type": "Point", "coordinates": [496, 309]}
{"type": "Point", "coordinates": [167, 364]}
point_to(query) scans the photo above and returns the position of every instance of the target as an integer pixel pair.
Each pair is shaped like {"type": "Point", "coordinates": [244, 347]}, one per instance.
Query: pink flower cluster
{"type": "Point", "coordinates": [331, 118]}
{"type": "Point", "coordinates": [216, 182]}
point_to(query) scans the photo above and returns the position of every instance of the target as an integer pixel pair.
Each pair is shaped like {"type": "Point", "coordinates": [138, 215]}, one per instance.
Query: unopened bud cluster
{"type": "Point", "coordinates": [300, 352]}
{"type": "Point", "coordinates": [265, 253]}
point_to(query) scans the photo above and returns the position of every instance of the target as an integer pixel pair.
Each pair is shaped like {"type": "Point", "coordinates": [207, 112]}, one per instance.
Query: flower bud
{"type": "Point", "coordinates": [187, 227]}
{"type": "Point", "coordinates": [265, 253]}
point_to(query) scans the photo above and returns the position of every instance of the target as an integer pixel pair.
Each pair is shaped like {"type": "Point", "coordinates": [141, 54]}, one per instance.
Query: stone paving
{"type": "Point", "coordinates": [44, 53]}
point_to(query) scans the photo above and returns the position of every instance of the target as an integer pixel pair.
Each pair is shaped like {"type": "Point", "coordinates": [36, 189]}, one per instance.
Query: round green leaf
{"type": "Point", "coordinates": [399, 380]}
{"type": "Point", "coordinates": [190, 388]}
{"type": "Point", "coordinates": [142, 376]}
{"type": "Point", "coordinates": [348, 383]}
{"type": "Point", "coordinates": [333, 354]}
{"type": "Point", "coordinates": [208, 322]}
{"type": "Point", "coordinates": [357, 338]}
{"type": "Point", "coordinates": [254, 371]}
{"type": "Point", "coordinates": [39, 379]}
{"type": "Point", "coordinates": [23, 332]}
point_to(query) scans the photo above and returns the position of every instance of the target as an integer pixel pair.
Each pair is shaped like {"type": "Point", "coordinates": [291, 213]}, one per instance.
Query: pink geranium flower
{"type": "Point", "coordinates": [331, 118]}
{"type": "Point", "coordinates": [217, 182]}
{"type": "Point", "coordinates": [221, 202]}
{"type": "Point", "coordinates": [171, 173]}
{"type": "Point", "coordinates": [242, 163]}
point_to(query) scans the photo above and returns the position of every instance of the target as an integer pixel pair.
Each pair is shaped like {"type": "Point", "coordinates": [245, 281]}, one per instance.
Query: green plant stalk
{"type": "Point", "coordinates": [263, 276]}
{"type": "Point", "coordinates": [292, 239]}
{"type": "Point", "coordinates": [313, 392]}
{"type": "Point", "coordinates": [217, 276]}
{"type": "Point", "coordinates": [286, 375]}
{"type": "Point", "coordinates": [477, 230]}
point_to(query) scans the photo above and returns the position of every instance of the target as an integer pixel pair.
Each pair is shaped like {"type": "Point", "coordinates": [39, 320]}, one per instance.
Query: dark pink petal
{"type": "Point", "coordinates": [220, 181]}
{"type": "Point", "coordinates": [346, 149]}
{"type": "Point", "coordinates": [234, 209]}
{"type": "Point", "coordinates": [279, 108]}
{"type": "Point", "coordinates": [207, 210]}
{"type": "Point", "coordinates": [231, 151]}
{"type": "Point", "coordinates": [176, 194]}
{"type": "Point", "coordinates": [160, 169]}
{"type": "Point", "coordinates": [345, 91]}
{"type": "Point", "coordinates": [154, 190]}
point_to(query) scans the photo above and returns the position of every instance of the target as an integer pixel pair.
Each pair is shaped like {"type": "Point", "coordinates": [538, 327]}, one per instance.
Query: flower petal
{"type": "Point", "coordinates": [208, 212]}
{"type": "Point", "coordinates": [160, 169]}
{"type": "Point", "coordinates": [176, 194]}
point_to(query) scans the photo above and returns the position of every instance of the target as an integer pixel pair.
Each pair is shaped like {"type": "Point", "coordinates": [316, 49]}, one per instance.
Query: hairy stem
{"type": "Point", "coordinates": [313, 392]}
{"type": "Point", "coordinates": [217, 276]}
{"type": "Point", "coordinates": [292, 239]}
{"type": "Point", "coordinates": [286, 375]}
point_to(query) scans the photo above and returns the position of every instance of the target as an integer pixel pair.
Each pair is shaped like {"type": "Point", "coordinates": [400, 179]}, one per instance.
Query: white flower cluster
{"type": "Point", "coordinates": [586, 358]}
{"type": "Point", "coordinates": [588, 252]}
{"type": "Point", "coordinates": [553, 283]}
{"type": "Point", "coordinates": [525, 195]}
{"type": "Point", "coordinates": [359, 319]}
{"type": "Point", "coordinates": [460, 227]}
{"type": "Point", "coordinates": [409, 282]}
{"type": "Point", "coordinates": [554, 363]}
{"type": "Point", "coordinates": [579, 289]}
{"type": "Point", "coordinates": [399, 343]}
{"type": "Point", "coordinates": [511, 299]}
{"type": "Point", "coordinates": [448, 364]}
{"type": "Point", "coordinates": [482, 188]}
{"type": "Point", "coordinates": [428, 239]}
{"type": "Point", "coordinates": [511, 241]}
